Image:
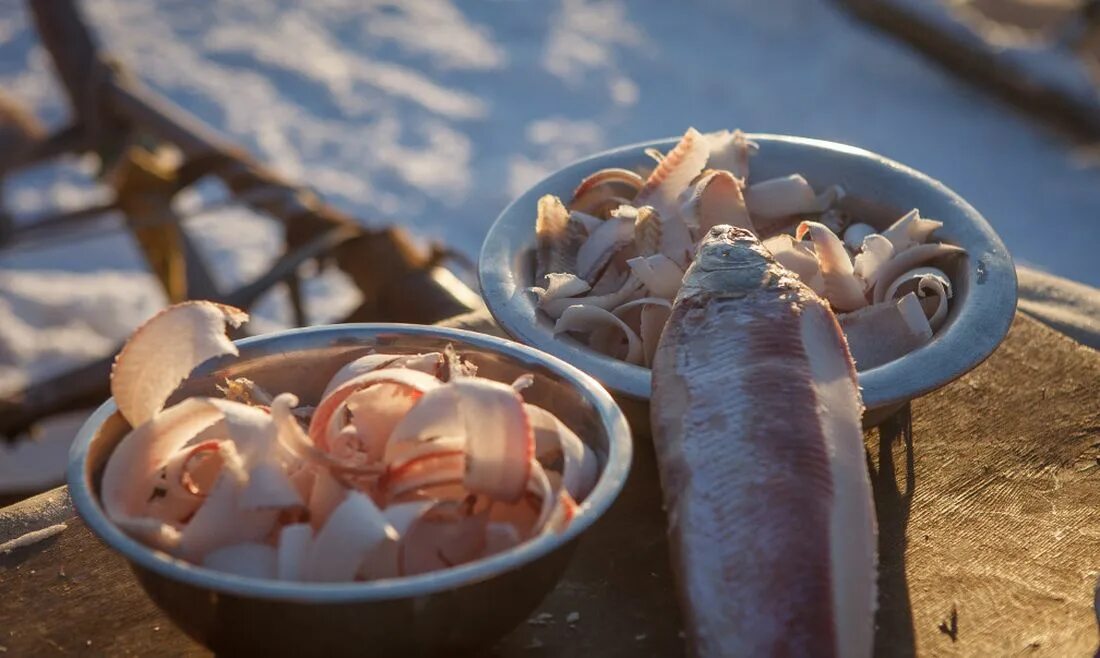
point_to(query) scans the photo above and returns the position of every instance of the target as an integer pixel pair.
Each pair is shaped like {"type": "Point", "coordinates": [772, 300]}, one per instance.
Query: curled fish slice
{"type": "Point", "coordinates": [673, 174]}
{"type": "Point", "coordinates": [655, 233]}
{"type": "Point", "coordinates": [716, 199]}
{"type": "Point", "coordinates": [787, 196]}
{"type": "Point", "coordinates": [589, 222]}
{"type": "Point", "coordinates": [596, 251]}
{"type": "Point", "coordinates": [435, 417]}
{"type": "Point", "coordinates": [647, 230]}
{"type": "Point", "coordinates": [653, 319]}
{"type": "Point", "coordinates": [329, 411]}
{"type": "Point", "coordinates": [557, 238]}
{"type": "Point", "coordinates": [427, 363]}
{"type": "Point", "coordinates": [382, 561]}
{"type": "Point", "coordinates": [842, 288]}
{"type": "Point", "coordinates": [652, 313]}
{"type": "Point", "coordinates": [489, 416]}
{"type": "Point", "coordinates": [834, 218]}
{"type": "Point", "coordinates": [932, 288]}
{"type": "Point", "coordinates": [247, 559]}
{"type": "Point", "coordinates": [136, 482]}
{"type": "Point", "coordinates": [873, 255]}
{"type": "Point", "coordinates": [499, 441]}
{"type": "Point", "coordinates": [639, 303]}
{"type": "Point", "coordinates": [351, 532]}
{"type": "Point", "coordinates": [911, 230]}
{"type": "Point", "coordinates": [585, 319]}
{"type": "Point", "coordinates": [448, 534]}
{"type": "Point", "coordinates": [660, 275]}
{"type": "Point", "coordinates": [580, 466]}
{"type": "Point", "coordinates": [800, 258]}
{"type": "Point", "coordinates": [771, 519]}
{"type": "Point", "coordinates": [731, 151]}
{"type": "Point", "coordinates": [297, 443]}
{"type": "Point", "coordinates": [428, 470]}
{"type": "Point", "coordinates": [269, 487]}
{"type": "Point", "coordinates": [611, 280]}
{"type": "Point", "coordinates": [855, 234]}
{"type": "Point", "coordinates": [326, 495]}
{"type": "Point", "coordinates": [375, 411]}
{"type": "Point", "coordinates": [912, 257]}
{"type": "Point", "coordinates": [292, 551]}
{"type": "Point", "coordinates": [164, 350]}
{"type": "Point", "coordinates": [605, 190]}
{"type": "Point", "coordinates": [222, 521]}
{"type": "Point", "coordinates": [630, 289]}
{"type": "Point", "coordinates": [902, 321]}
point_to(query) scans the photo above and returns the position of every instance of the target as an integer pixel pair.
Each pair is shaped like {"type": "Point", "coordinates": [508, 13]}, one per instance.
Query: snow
{"type": "Point", "coordinates": [435, 114]}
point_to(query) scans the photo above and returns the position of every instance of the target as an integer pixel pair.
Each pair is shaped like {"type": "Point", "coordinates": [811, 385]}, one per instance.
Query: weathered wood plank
{"type": "Point", "coordinates": [988, 506]}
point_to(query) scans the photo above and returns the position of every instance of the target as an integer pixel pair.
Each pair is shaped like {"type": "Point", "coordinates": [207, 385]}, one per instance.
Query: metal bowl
{"type": "Point", "coordinates": [444, 612]}
{"type": "Point", "coordinates": [879, 191]}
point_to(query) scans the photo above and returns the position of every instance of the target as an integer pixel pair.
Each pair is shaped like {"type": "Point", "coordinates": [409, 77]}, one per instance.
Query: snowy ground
{"type": "Point", "coordinates": [435, 115]}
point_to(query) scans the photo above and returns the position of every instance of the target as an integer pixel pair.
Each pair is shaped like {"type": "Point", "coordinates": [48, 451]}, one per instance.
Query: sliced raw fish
{"type": "Point", "coordinates": [599, 248]}
{"type": "Point", "coordinates": [731, 151]}
{"type": "Point", "coordinates": [842, 288]}
{"type": "Point", "coordinates": [911, 230]}
{"type": "Point", "coordinates": [885, 331]}
{"type": "Point", "coordinates": [716, 199]}
{"type": "Point", "coordinates": [164, 350]}
{"type": "Point", "coordinates": [932, 288]}
{"type": "Point", "coordinates": [557, 236]}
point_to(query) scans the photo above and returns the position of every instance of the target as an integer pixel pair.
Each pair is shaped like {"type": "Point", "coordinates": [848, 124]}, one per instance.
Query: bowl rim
{"type": "Point", "coordinates": [976, 334]}
{"type": "Point", "coordinates": [599, 500]}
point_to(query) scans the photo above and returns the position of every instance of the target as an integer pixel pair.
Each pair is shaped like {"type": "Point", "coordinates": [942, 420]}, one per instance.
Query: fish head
{"type": "Point", "coordinates": [730, 260]}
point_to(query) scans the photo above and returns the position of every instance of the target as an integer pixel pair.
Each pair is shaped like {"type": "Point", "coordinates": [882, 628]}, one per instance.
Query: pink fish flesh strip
{"type": "Point", "coordinates": [786, 197]}
{"type": "Point", "coordinates": [164, 350]}
{"type": "Point", "coordinates": [558, 238]}
{"type": "Point", "coordinates": [582, 318]}
{"type": "Point", "coordinates": [932, 288]}
{"type": "Point", "coordinates": [799, 257]}
{"type": "Point", "coordinates": [731, 151]}
{"type": "Point", "coordinates": [756, 419]}
{"type": "Point", "coordinates": [604, 190]}
{"type": "Point", "coordinates": [842, 288]}
{"type": "Point", "coordinates": [716, 199]}
{"type": "Point", "coordinates": [912, 257]}
{"type": "Point", "coordinates": [427, 363]}
{"type": "Point", "coordinates": [681, 166]}
{"type": "Point", "coordinates": [408, 456]}
{"type": "Point", "coordinates": [911, 230]}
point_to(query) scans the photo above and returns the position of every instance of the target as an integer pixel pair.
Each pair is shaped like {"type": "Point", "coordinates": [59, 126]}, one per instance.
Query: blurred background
{"type": "Point", "coordinates": [432, 115]}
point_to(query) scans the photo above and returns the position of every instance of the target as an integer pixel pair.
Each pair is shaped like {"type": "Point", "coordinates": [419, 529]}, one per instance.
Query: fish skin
{"type": "Point", "coordinates": [749, 468]}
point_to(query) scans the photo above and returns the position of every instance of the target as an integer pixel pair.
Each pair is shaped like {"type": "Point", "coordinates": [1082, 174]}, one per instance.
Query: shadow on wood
{"type": "Point", "coordinates": [894, 634]}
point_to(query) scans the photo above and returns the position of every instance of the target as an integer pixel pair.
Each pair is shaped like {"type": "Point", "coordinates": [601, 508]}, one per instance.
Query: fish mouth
{"type": "Point", "coordinates": [726, 247]}
{"type": "Point", "coordinates": [728, 233]}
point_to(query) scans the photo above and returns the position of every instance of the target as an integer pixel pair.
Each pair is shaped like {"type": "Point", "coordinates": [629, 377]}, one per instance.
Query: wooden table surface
{"type": "Point", "coordinates": [989, 538]}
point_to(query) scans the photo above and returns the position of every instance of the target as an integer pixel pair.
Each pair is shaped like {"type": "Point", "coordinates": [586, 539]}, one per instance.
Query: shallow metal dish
{"type": "Point", "coordinates": [437, 613]}
{"type": "Point", "coordinates": [879, 191]}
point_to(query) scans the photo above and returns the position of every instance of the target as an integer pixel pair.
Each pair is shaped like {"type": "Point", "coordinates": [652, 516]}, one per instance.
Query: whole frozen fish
{"type": "Point", "coordinates": [756, 421]}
